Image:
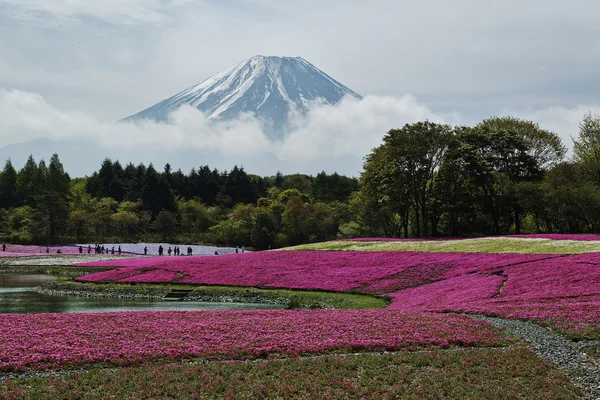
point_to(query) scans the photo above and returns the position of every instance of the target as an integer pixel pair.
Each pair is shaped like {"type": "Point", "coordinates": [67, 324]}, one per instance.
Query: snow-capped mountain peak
{"type": "Point", "coordinates": [270, 87]}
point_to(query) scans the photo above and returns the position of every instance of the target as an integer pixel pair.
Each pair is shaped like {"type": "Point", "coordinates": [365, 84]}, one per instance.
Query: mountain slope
{"type": "Point", "coordinates": [269, 87]}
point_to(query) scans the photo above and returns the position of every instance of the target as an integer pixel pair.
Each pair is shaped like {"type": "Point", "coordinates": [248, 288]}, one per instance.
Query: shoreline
{"type": "Point", "coordinates": [290, 299]}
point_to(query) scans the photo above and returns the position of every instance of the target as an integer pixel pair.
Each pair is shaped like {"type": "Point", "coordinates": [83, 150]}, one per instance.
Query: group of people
{"type": "Point", "coordinates": [176, 251]}
{"type": "Point", "coordinates": [101, 250]}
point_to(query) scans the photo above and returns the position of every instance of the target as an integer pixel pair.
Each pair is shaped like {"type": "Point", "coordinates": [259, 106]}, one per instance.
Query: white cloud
{"type": "Point", "coordinates": [564, 121]}
{"type": "Point", "coordinates": [29, 116]}
{"type": "Point", "coordinates": [113, 11]}
{"type": "Point", "coordinates": [344, 132]}
{"type": "Point", "coordinates": [350, 128]}
{"type": "Point", "coordinates": [328, 137]}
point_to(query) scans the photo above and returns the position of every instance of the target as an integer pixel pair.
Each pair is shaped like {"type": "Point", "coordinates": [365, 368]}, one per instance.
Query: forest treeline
{"type": "Point", "coordinates": [501, 176]}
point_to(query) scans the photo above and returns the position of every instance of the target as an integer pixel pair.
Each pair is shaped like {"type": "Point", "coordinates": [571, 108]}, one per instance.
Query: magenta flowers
{"type": "Point", "coordinates": [336, 271]}
{"type": "Point", "coordinates": [558, 289]}
{"type": "Point", "coordinates": [58, 340]}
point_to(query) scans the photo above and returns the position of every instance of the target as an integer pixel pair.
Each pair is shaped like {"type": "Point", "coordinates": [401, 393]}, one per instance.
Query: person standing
{"type": "Point", "coordinates": [160, 250]}
{"type": "Point", "coordinates": [169, 251]}
{"type": "Point", "coordinates": [80, 249]}
{"type": "Point", "coordinates": [145, 250]}
{"type": "Point", "coordinates": [119, 250]}
{"type": "Point", "coordinates": [89, 249]}
{"type": "Point", "coordinates": [3, 247]}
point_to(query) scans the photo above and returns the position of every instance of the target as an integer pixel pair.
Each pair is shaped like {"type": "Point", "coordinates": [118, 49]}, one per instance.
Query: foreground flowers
{"type": "Point", "coordinates": [58, 340]}
{"type": "Point", "coordinates": [458, 374]}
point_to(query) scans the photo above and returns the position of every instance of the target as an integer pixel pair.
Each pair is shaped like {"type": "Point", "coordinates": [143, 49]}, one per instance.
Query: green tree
{"type": "Point", "coordinates": [542, 145]}
{"type": "Point", "coordinates": [194, 217]}
{"type": "Point", "coordinates": [99, 212]}
{"type": "Point", "coordinates": [52, 211]}
{"type": "Point", "coordinates": [166, 224]}
{"type": "Point", "coordinates": [586, 149]}
{"type": "Point", "coordinates": [26, 183]}
{"type": "Point", "coordinates": [19, 224]}
{"type": "Point", "coordinates": [402, 169]}
{"type": "Point", "coordinates": [8, 186]}
{"type": "Point", "coordinates": [156, 193]}
{"type": "Point", "coordinates": [493, 162]}
{"type": "Point", "coordinates": [297, 221]}
{"type": "Point", "coordinates": [125, 224]}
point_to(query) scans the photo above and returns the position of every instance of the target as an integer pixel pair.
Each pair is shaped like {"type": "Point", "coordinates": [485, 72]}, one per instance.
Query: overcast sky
{"type": "Point", "coordinates": [460, 61]}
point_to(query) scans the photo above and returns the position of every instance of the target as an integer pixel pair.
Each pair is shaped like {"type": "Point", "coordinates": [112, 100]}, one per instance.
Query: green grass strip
{"type": "Point", "coordinates": [289, 298]}
{"type": "Point", "coordinates": [483, 245]}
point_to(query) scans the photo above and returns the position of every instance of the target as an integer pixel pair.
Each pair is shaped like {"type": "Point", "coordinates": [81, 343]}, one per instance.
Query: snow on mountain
{"type": "Point", "coordinates": [269, 87]}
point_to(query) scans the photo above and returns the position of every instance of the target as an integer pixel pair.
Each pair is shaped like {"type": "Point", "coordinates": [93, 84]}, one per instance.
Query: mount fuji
{"type": "Point", "coordinates": [271, 88]}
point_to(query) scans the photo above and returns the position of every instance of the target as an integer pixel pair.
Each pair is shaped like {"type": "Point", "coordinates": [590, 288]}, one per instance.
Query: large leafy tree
{"type": "Point", "coordinates": [383, 201]}
{"type": "Point", "coordinates": [586, 149]}
{"type": "Point", "coordinates": [492, 162]}
{"type": "Point", "coordinates": [542, 145]}
{"type": "Point", "coordinates": [403, 167]}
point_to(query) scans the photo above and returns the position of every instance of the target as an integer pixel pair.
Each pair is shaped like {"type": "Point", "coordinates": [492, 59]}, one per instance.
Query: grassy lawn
{"type": "Point", "coordinates": [290, 298]}
{"type": "Point", "coordinates": [52, 269]}
{"type": "Point", "coordinates": [458, 374]}
{"type": "Point", "coordinates": [484, 245]}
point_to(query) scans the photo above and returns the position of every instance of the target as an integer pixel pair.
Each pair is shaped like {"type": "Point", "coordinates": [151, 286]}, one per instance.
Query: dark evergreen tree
{"type": "Point", "coordinates": [52, 210]}
{"type": "Point", "coordinates": [26, 190]}
{"type": "Point", "coordinates": [8, 186]}
{"type": "Point", "coordinates": [156, 193]}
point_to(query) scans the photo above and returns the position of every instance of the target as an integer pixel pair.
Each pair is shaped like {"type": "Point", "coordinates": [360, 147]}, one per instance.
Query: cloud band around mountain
{"type": "Point", "coordinates": [337, 136]}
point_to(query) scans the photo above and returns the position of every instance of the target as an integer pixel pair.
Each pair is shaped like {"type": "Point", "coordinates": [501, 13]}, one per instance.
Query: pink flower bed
{"type": "Point", "coordinates": [563, 290]}
{"type": "Point", "coordinates": [336, 271]}
{"type": "Point", "coordinates": [384, 240]}
{"type": "Point", "coordinates": [36, 341]}
{"type": "Point", "coordinates": [448, 295]}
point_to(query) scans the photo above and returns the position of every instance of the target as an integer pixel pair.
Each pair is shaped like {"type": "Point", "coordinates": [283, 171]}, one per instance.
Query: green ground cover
{"type": "Point", "coordinates": [52, 269]}
{"type": "Point", "coordinates": [457, 374]}
{"type": "Point", "coordinates": [484, 245]}
{"type": "Point", "coordinates": [290, 298]}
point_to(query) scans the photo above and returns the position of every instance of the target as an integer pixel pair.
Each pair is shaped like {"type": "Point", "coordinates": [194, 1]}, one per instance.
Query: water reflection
{"type": "Point", "coordinates": [16, 297]}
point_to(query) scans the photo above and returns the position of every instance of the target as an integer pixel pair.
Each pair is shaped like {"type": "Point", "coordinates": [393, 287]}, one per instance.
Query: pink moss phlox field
{"type": "Point", "coordinates": [563, 291]}
{"type": "Point", "coordinates": [557, 289]}
{"type": "Point", "coordinates": [371, 272]}
{"type": "Point", "coordinates": [37, 341]}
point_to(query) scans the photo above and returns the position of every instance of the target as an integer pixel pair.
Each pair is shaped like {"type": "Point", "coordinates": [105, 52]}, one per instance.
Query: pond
{"type": "Point", "coordinates": [17, 297]}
